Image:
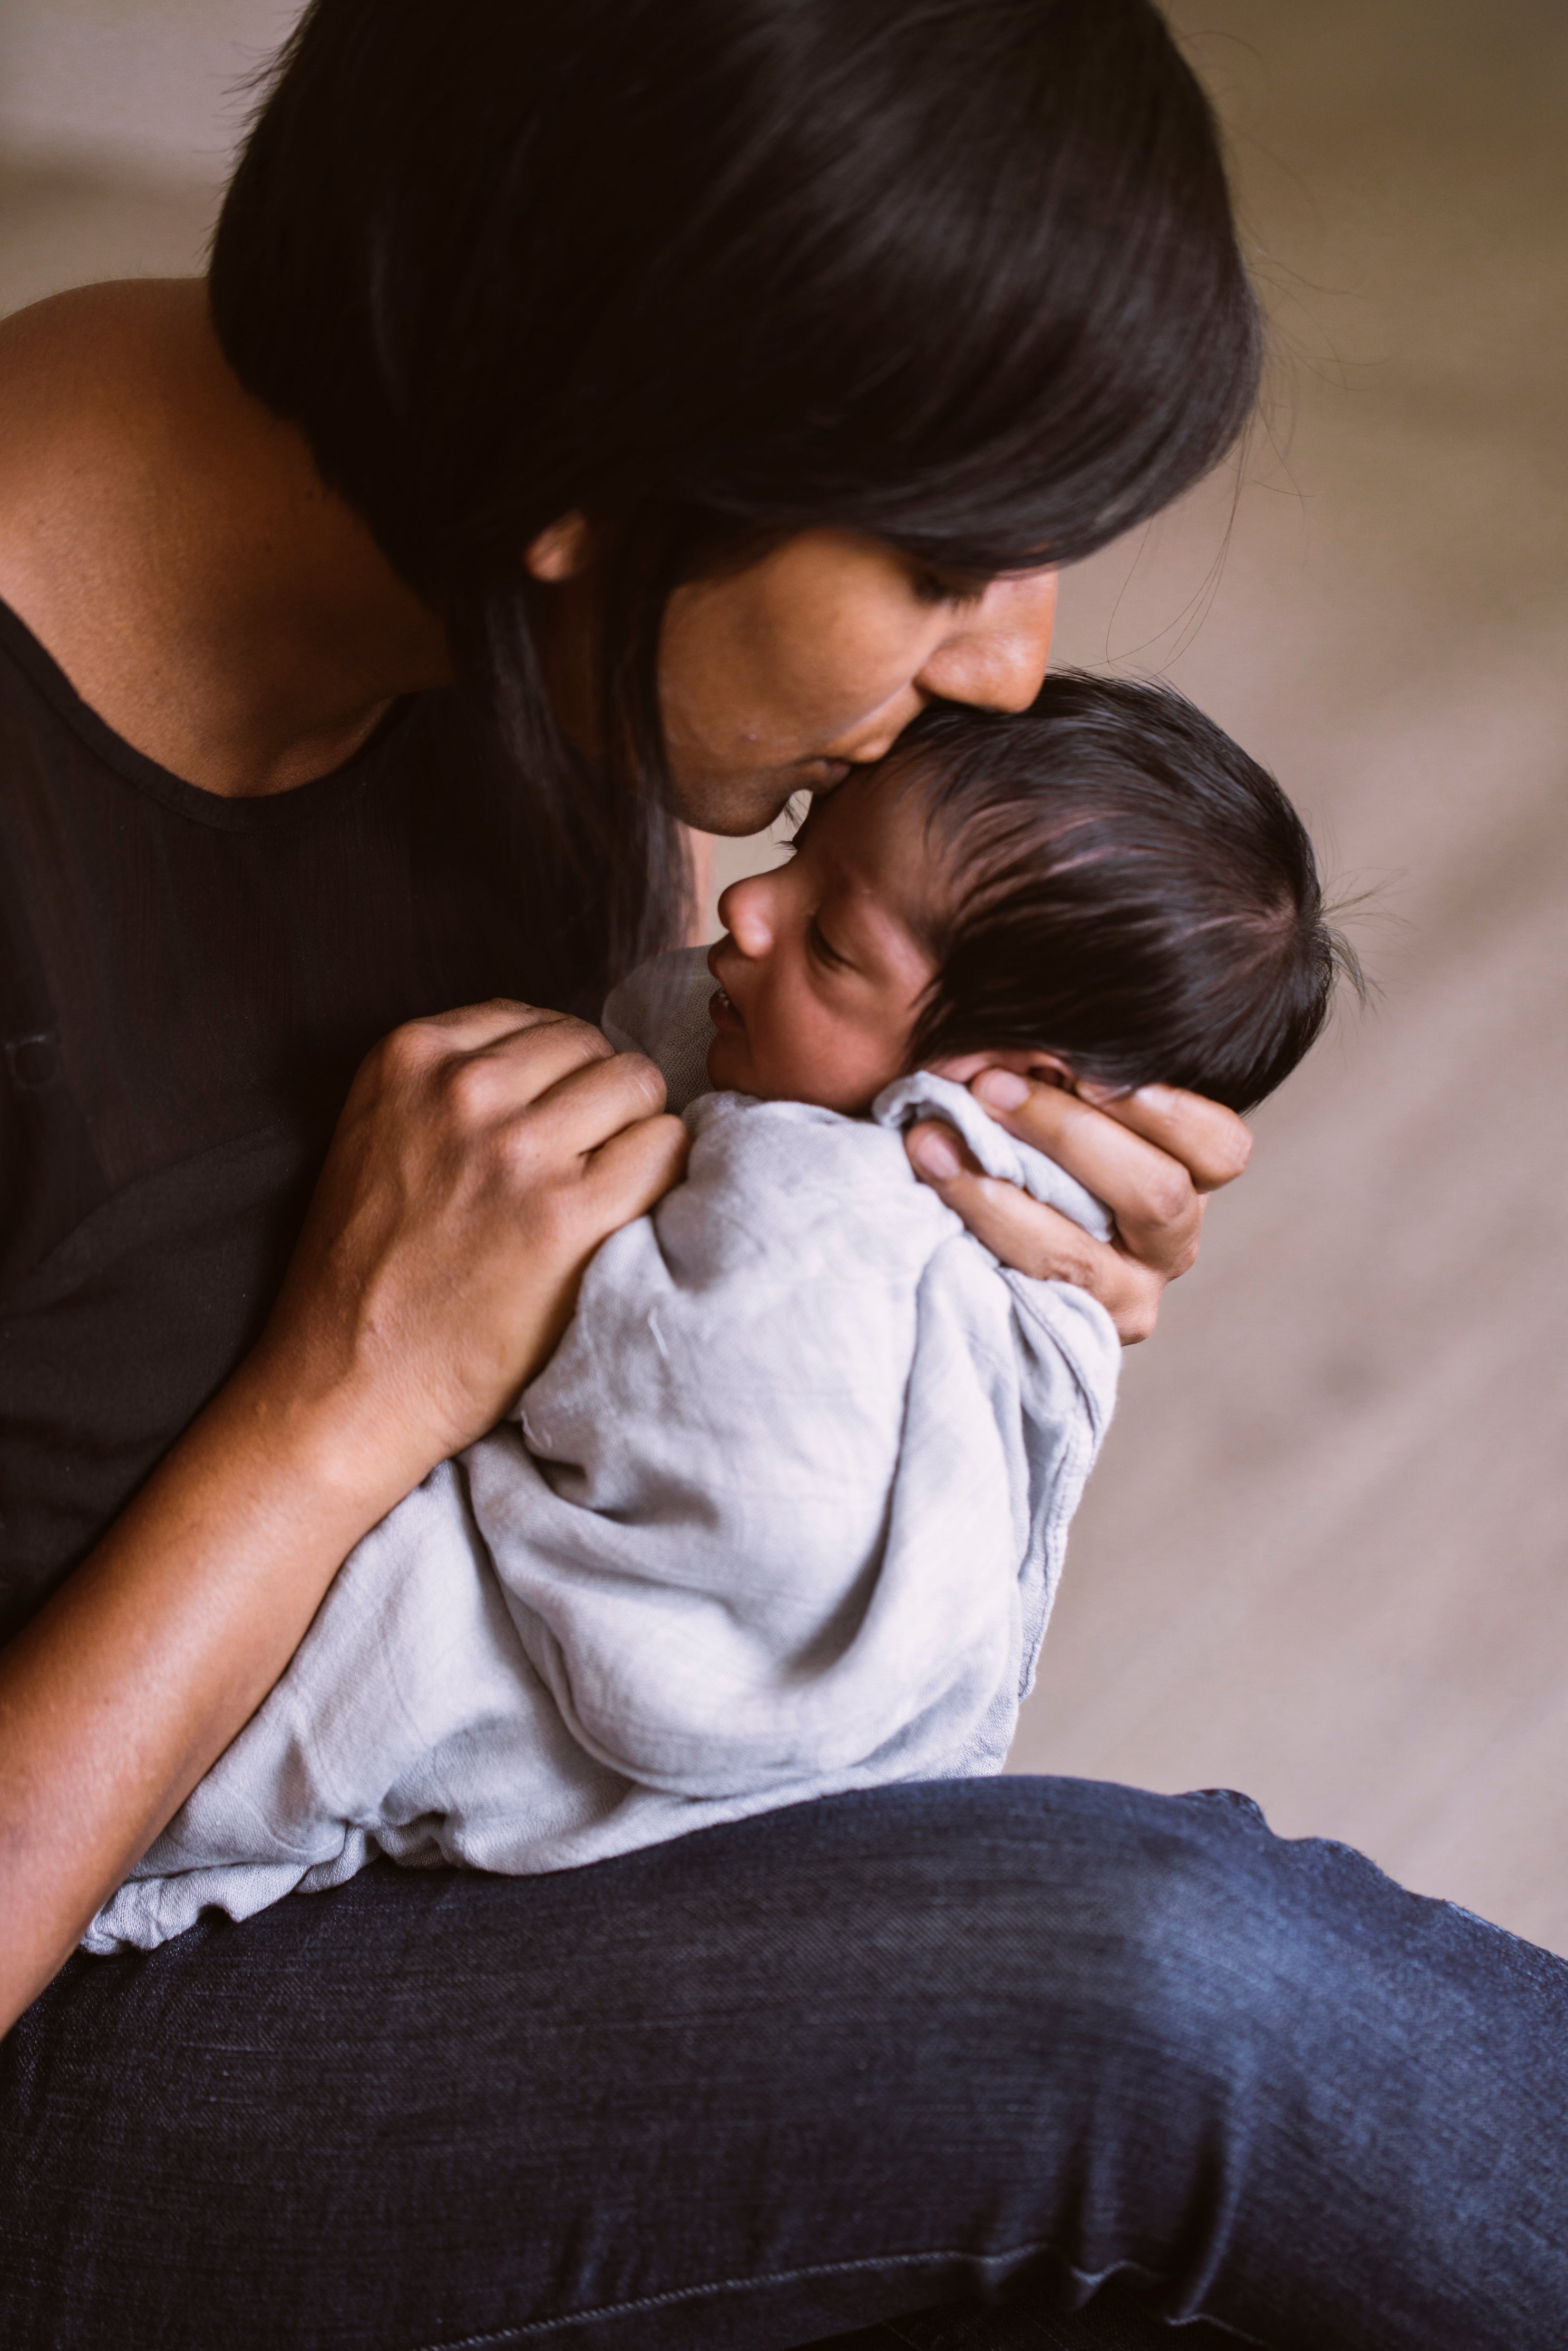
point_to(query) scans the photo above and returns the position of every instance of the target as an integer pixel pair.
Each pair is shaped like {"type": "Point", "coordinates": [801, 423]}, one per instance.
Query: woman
{"type": "Point", "coordinates": [607, 409]}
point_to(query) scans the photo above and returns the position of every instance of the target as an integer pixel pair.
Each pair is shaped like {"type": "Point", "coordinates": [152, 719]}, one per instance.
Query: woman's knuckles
{"type": "Point", "coordinates": [1058, 1264]}
{"type": "Point", "coordinates": [473, 1090]}
{"type": "Point", "coordinates": [1184, 1255]}
{"type": "Point", "coordinates": [1225, 1156]}
{"type": "Point", "coordinates": [493, 1097]}
{"type": "Point", "coordinates": [409, 1054]}
{"type": "Point", "coordinates": [1166, 1198]}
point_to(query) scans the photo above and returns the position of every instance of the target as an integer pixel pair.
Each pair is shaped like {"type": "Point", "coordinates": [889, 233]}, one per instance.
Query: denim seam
{"type": "Point", "coordinates": [678, 2294]}
{"type": "Point", "coordinates": [536, 2327]}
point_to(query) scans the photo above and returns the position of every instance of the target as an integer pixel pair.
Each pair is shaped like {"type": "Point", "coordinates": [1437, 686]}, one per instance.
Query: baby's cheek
{"type": "Point", "coordinates": [846, 1065]}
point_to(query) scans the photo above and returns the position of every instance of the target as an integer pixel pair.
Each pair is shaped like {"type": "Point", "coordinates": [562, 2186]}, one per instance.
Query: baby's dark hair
{"type": "Point", "coordinates": [1127, 890]}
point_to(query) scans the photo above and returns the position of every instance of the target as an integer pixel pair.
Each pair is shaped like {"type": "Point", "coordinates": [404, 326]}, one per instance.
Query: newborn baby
{"type": "Point", "coordinates": [786, 1511]}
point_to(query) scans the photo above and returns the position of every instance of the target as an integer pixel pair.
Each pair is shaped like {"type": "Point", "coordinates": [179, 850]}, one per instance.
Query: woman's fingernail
{"type": "Point", "coordinates": [1004, 1089]}
{"type": "Point", "coordinates": [1100, 1095]}
{"type": "Point", "coordinates": [934, 1156]}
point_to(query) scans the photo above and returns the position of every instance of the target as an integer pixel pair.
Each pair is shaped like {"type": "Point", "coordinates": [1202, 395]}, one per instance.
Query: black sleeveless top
{"type": "Point", "coordinates": [187, 984]}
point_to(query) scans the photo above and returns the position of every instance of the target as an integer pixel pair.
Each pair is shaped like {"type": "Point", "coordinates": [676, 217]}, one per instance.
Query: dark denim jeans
{"type": "Point", "coordinates": [988, 2041]}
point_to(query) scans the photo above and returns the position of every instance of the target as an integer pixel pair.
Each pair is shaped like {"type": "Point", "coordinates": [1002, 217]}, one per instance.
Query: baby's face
{"type": "Point", "coordinates": [822, 967]}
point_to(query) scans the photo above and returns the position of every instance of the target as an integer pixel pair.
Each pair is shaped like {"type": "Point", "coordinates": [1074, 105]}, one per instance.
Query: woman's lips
{"type": "Point", "coordinates": [722, 1014]}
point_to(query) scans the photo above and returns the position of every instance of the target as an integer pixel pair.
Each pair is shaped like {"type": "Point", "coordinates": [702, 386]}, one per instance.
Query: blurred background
{"type": "Point", "coordinates": [1326, 1558]}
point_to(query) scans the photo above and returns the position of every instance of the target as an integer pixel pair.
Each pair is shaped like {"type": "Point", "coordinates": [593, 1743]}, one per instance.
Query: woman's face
{"type": "Point", "coordinates": [778, 678]}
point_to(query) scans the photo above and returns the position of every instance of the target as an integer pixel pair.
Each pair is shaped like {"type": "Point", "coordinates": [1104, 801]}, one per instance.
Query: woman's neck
{"type": "Point", "coordinates": [173, 545]}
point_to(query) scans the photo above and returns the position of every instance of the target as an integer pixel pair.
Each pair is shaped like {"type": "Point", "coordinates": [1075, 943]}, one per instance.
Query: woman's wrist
{"type": "Point", "coordinates": [333, 1449]}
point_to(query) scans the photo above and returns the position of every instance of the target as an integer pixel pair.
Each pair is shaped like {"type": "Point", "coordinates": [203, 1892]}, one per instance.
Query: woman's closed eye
{"type": "Point", "coordinates": [935, 587]}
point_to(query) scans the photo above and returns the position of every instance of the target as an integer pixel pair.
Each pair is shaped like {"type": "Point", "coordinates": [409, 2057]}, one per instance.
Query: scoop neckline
{"type": "Point", "coordinates": [298, 805]}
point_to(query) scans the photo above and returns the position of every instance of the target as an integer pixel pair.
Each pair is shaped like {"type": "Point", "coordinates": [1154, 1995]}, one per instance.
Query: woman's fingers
{"type": "Point", "coordinates": [1151, 1156]}
{"type": "Point", "coordinates": [635, 1168]}
{"type": "Point", "coordinates": [1149, 1189]}
{"type": "Point", "coordinates": [538, 1088]}
{"type": "Point", "coordinates": [489, 1055]}
{"type": "Point", "coordinates": [575, 1113]}
{"type": "Point", "coordinates": [1032, 1237]}
{"type": "Point", "coordinates": [468, 1027]}
{"type": "Point", "coordinates": [620, 1179]}
{"type": "Point", "coordinates": [1213, 1145]}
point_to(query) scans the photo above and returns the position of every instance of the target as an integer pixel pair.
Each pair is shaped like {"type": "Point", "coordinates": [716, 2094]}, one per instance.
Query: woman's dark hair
{"type": "Point", "coordinates": [1125, 888]}
{"type": "Point", "coordinates": [961, 273]}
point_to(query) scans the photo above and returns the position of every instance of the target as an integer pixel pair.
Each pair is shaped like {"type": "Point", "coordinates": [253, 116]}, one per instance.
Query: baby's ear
{"type": "Point", "coordinates": [1045, 1068]}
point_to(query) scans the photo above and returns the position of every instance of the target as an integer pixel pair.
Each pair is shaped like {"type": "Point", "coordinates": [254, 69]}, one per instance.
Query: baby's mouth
{"type": "Point", "coordinates": [721, 1010]}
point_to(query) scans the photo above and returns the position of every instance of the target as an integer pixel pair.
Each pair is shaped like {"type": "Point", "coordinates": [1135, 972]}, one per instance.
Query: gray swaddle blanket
{"type": "Point", "coordinates": [783, 1515]}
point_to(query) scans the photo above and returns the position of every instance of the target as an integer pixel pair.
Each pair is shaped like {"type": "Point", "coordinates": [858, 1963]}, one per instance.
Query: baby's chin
{"type": "Point", "coordinates": [729, 1068]}
{"type": "Point", "coordinates": [730, 1071]}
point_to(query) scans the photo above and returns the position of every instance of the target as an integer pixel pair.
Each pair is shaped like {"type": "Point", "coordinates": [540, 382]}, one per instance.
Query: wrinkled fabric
{"type": "Point", "coordinates": [783, 1516]}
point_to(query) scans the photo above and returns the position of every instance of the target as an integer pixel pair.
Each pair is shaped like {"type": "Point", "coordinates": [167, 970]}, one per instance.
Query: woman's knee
{"type": "Point", "coordinates": [1210, 1953]}
{"type": "Point", "coordinates": [1170, 1933]}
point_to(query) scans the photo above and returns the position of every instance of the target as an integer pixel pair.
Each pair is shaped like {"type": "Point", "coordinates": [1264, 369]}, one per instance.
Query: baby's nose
{"type": "Point", "coordinates": [744, 910]}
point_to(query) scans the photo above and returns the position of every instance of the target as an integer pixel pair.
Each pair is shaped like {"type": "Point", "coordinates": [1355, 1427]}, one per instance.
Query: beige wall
{"type": "Point", "coordinates": [1326, 1555]}
{"type": "Point", "coordinates": [146, 85]}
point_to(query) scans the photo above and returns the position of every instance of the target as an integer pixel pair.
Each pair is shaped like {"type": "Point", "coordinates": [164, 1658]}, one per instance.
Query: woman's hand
{"type": "Point", "coordinates": [480, 1162]}
{"type": "Point", "coordinates": [1151, 1156]}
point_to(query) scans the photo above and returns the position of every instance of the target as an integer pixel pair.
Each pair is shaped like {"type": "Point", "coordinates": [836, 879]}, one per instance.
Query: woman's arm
{"type": "Point", "coordinates": [480, 1160]}
{"type": "Point", "coordinates": [1151, 1156]}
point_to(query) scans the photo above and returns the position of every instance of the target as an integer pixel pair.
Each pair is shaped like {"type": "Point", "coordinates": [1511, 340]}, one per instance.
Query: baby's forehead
{"type": "Point", "coordinates": [881, 848]}
{"type": "Point", "coordinates": [889, 801]}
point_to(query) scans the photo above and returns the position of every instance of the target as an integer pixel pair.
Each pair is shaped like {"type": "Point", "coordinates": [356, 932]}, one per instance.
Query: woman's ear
{"type": "Point", "coordinates": [1045, 1068]}
{"type": "Point", "coordinates": [562, 550]}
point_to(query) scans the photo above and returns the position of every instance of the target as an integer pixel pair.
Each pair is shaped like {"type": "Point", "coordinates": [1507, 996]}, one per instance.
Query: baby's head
{"type": "Point", "coordinates": [1103, 886]}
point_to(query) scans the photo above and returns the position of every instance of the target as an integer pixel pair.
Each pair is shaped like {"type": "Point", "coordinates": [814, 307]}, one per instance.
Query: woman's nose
{"type": "Point", "coordinates": [746, 911]}
{"type": "Point", "coordinates": [995, 654]}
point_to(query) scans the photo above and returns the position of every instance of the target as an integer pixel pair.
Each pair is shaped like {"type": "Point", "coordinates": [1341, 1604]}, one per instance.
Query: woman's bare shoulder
{"type": "Point", "coordinates": [84, 396]}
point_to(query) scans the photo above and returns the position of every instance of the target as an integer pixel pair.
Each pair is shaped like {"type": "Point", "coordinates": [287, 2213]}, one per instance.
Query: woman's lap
{"type": "Point", "coordinates": [790, 2078]}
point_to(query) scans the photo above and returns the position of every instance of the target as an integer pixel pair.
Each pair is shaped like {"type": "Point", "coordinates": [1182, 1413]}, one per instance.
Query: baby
{"type": "Point", "coordinates": [786, 1511]}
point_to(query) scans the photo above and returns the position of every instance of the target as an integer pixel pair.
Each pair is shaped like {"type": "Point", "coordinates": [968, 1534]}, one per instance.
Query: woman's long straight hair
{"type": "Point", "coordinates": [958, 273]}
